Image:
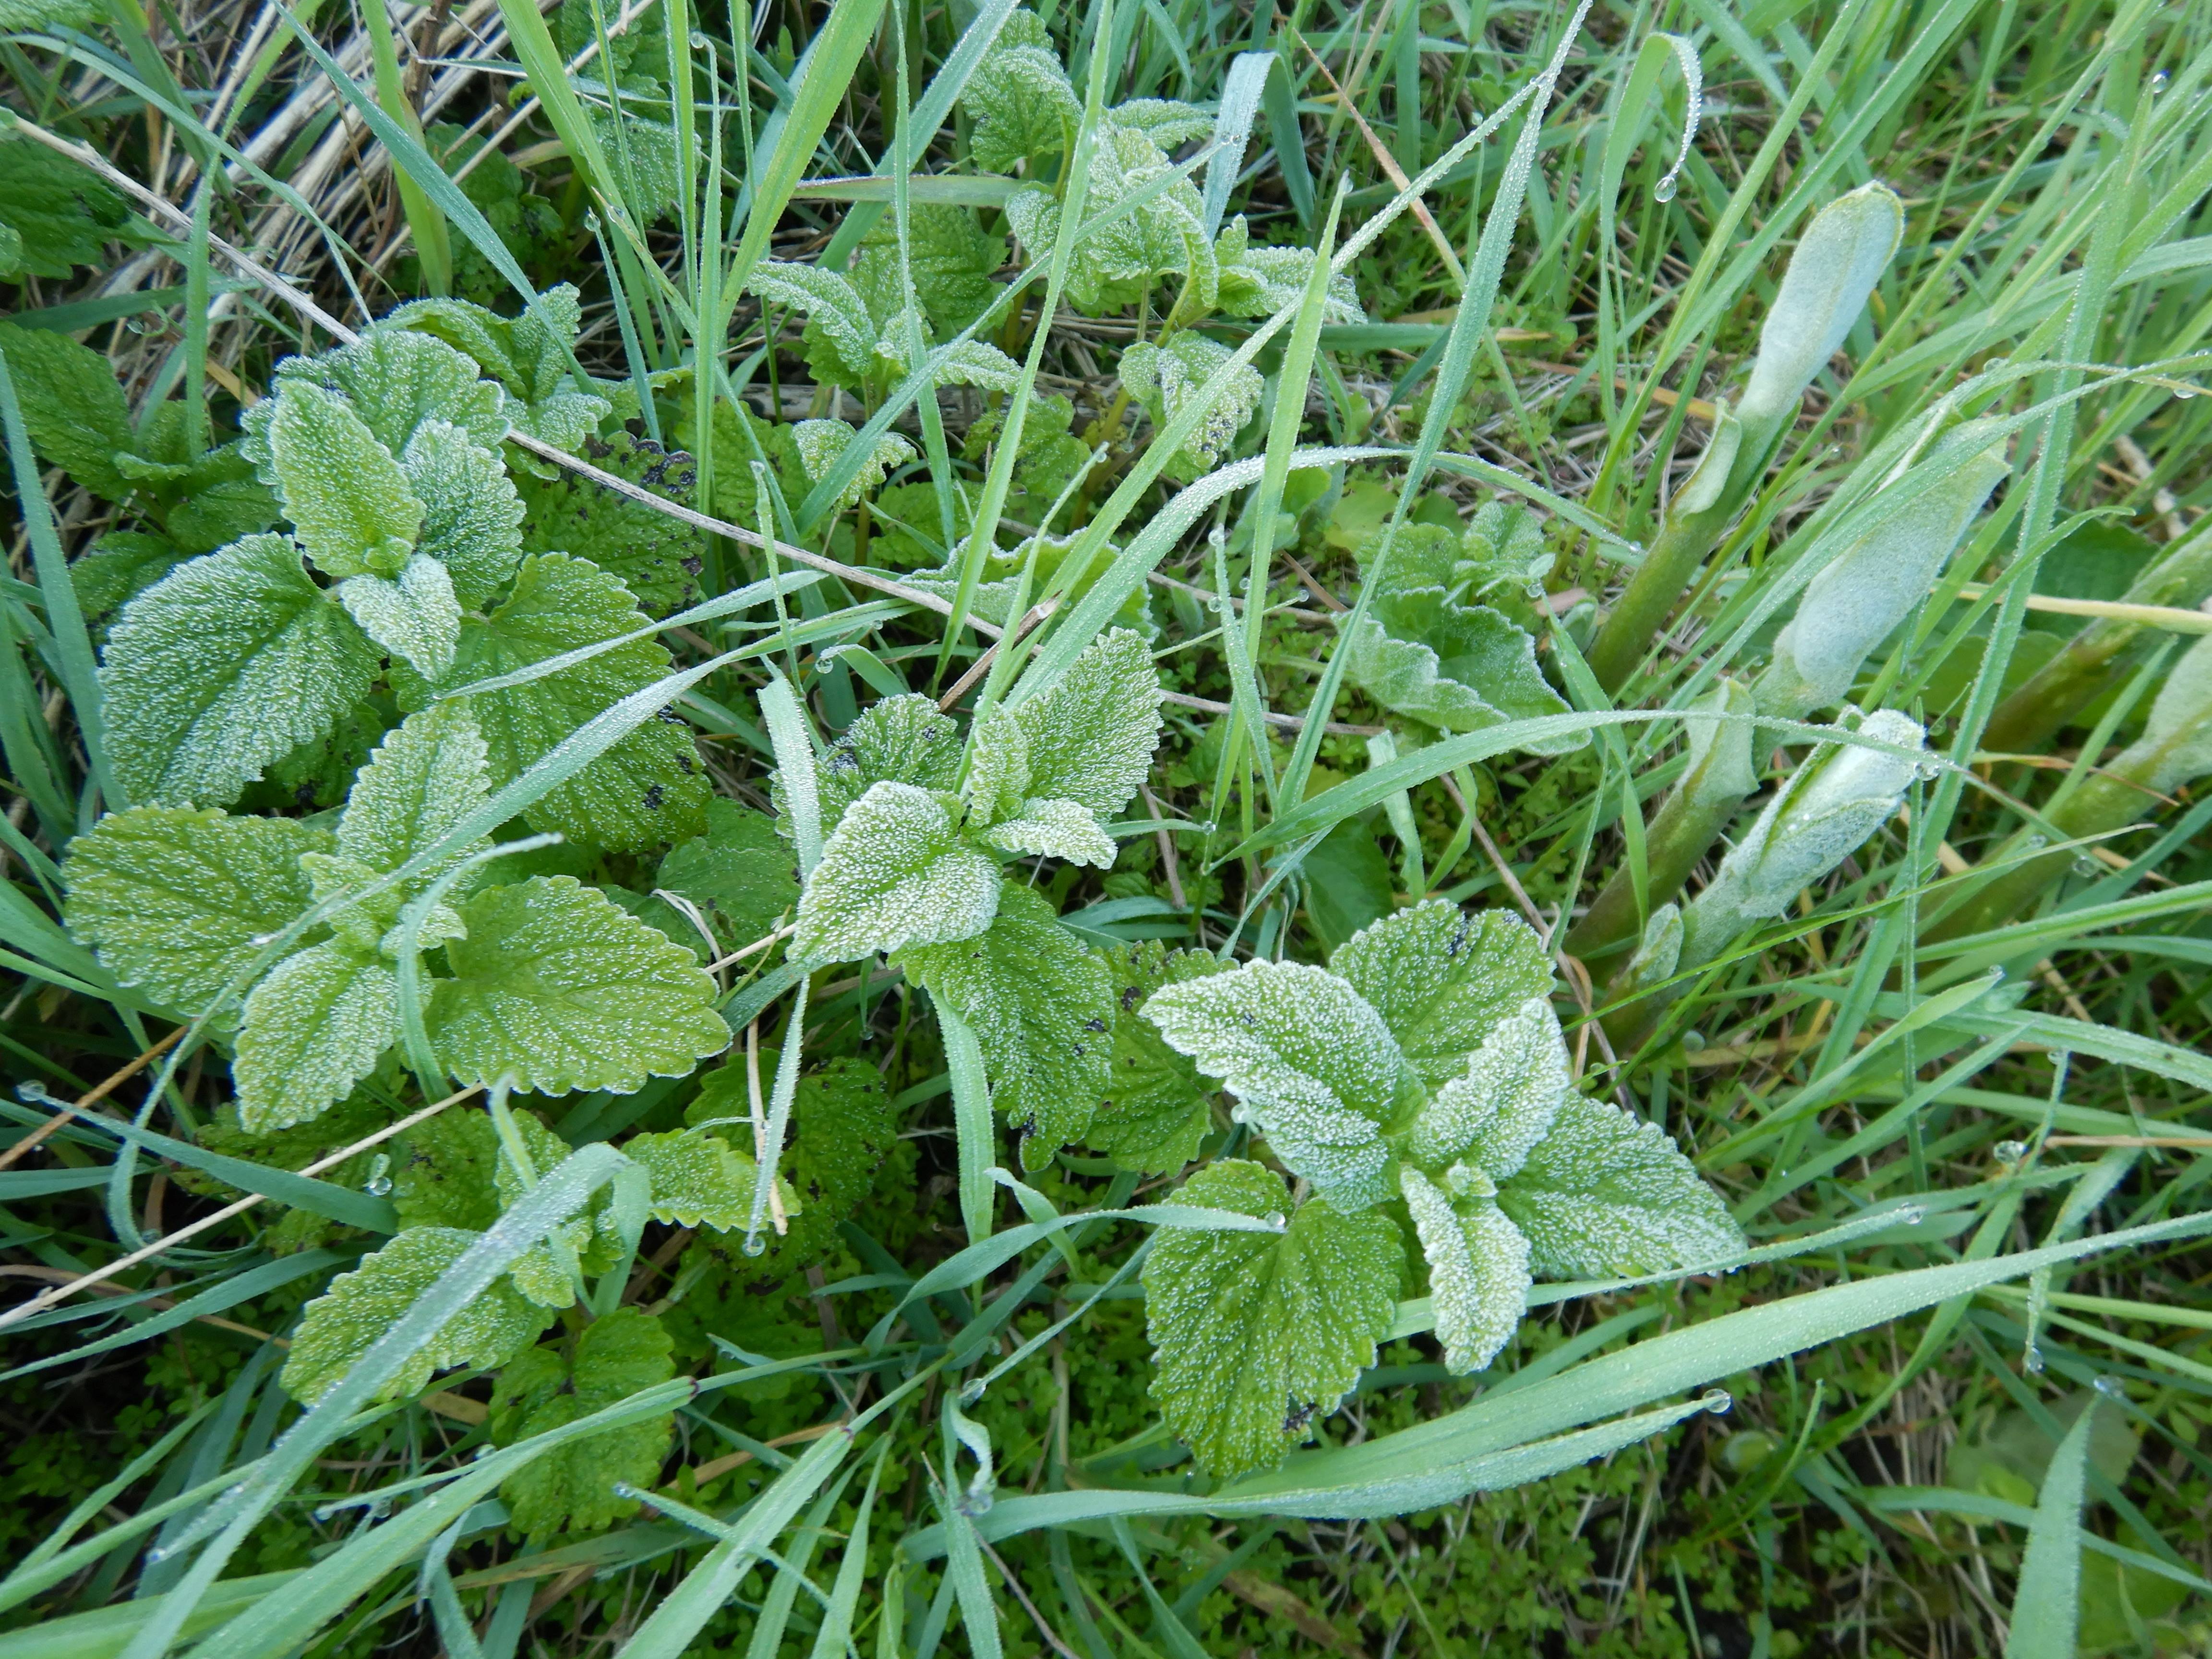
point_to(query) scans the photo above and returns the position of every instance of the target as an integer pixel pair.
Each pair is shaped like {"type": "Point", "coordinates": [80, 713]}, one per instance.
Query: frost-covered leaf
{"type": "Point", "coordinates": [1118, 263]}
{"type": "Point", "coordinates": [228, 664]}
{"type": "Point", "coordinates": [1443, 979]}
{"type": "Point", "coordinates": [397, 381]}
{"type": "Point", "coordinates": [1458, 668]}
{"type": "Point", "coordinates": [425, 778]}
{"type": "Point", "coordinates": [698, 1180]}
{"type": "Point", "coordinates": [646, 790]}
{"type": "Point", "coordinates": [1092, 737]}
{"type": "Point", "coordinates": [740, 873]}
{"type": "Point", "coordinates": [894, 874]}
{"type": "Point", "coordinates": [528, 355]}
{"type": "Point", "coordinates": [178, 900]}
{"type": "Point", "coordinates": [980, 364]}
{"type": "Point", "coordinates": [1056, 830]}
{"type": "Point", "coordinates": [840, 335]}
{"type": "Point", "coordinates": [348, 500]}
{"type": "Point", "coordinates": [822, 444]}
{"type": "Point", "coordinates": [1169, 381]}
{"type": "Point", "coordinates": [1020, 99]}
{"type": "Point", "coordinates": [344, 1322]}
{"type": "Point", "coordinates": [1604, 1194]}
{"type": "Point", "coordinates": [414, 616]}
{"type": "Point", "coordinates": [1495, 1112]}
{"type": "Point", "coordinates": [657, 558]}
{"type": "Point", "coordinates": [314, 1027]}
{"type": "Point", "coordinates": [116, 569]}
{"type": "Point", "coordinates": [898, 740]}
{"type": "Point", "coordinates": [1157, 1109]}
{"type": "Point", "coordinates": [591, 1236]}
{"type": "Point", "coordinates": [72, 405]}
{"type": "Point", "coordinates": [998, 779]}
{"type": "Point", "coordinates": [1478, 1271]}
{"type": "Point", "coordinates": [1042, 1008]}
{"type": "Point", "coordinates": [950, 257]}
{"type": "Point", "coordinates": [1256, 1334]}
{"type": "Point", "coordinates": [1313, 1064]}
{"type": "Point", "coordinates": [1260, 281]}
{"type": "Point", "coordinates": [573, 1485]}
{"type": "Point", "coordinates": [443, 1174]}
{"type": "Point", "coordinates": [1168, 121]}
{"type": "Point", "coordinates": [556, 989]}
{"type": "Point", "coordinates": [471, 516]}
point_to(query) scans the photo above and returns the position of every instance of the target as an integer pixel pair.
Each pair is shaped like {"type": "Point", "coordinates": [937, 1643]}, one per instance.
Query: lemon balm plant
{"type": "Point", "coordinates": [916, 909]}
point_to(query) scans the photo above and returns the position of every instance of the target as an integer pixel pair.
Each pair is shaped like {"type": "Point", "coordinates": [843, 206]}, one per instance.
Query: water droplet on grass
{"type": "Point", "coordinates": [1664, 190]}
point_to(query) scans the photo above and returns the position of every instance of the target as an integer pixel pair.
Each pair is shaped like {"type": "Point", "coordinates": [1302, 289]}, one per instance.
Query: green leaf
{"type": "Point", "coordinates": [998, 768]}
{"type": "Point", "coordinates": [446, 1173]}
{"type": "Point", "coordinates": [898, 740]}
{"type": "Point", "coordinates": [116, 569]}
{"type": "Point", "coordinates": [225, 666]}
{"type": "Point", "coordinates": [593, 1235]}
{"type": "Point", "coordinates": [1118, 263]}
{"type": "Point", "coordinates": [1042, 1008]}
{"type": "Point", "coordinates": [1492, 1115]}
{"type": "Point", "coordinates": [178, 900]}
{"type": "Point", "coordinates": [1312, 1063]}
{"type": "Point", "coordinates": [841, 334]}
{"type": "Point", "coordinates": [471, 515]}
{"type": "Point", "coordinates": [344, 1323]}
{"type": "Point", "coordinates": [1441, 979]}
{"type": "Point", "coordinates": [72, 407]}
{"type": "Point", "coordinates": [61, 214]}
{"type": "Point", "coordinates": [822, 444]}
{"type": "Point", "coordinates": [1020, 99]}
{"type": "Point", "coordinates": [950, 255]}
{"type": "Point", "coordinates": [572, 1487]}
{"type": "Point", "coordinates": [894, 874]}
{"type": "Point", "coordinates": [648, 789]}
{"type": "Point", "coordinates": [698, 1180]}
{"type": "Point", "coordinates": [1055, 829]}
{"type": "Point", "coordinates": [1092, 736]}
{"type": "Point", "coordinates": [424, 778]}
{"type": "Point", "coordinates": [1157, 1111]}
{"type": "Point", "coordinates": [527, 354]}
{"type": "Point", "coordinates": [1478, 1271]}
{"type": "Point", "coordinates": [1260, 281]}
{"type": "Point", "coordinates": [740, 873]}
{"type": "Point", "coordinates": [414, 616]}
{"type": "Point", "coordinates": [657, 558]}
{"type": "Point", "coordinates": [219, 501]}
{"type": "Point", "coordinates": [311, 1029]}
{"type": "Point", "coordinates": [1457, 667]}
{"type": "Point", "coordinates": [1255, 1334]}
{"type": "Point", "coordinates": [556, 989]}
{"type": "Point", "coordinates": [397, 383]}
{"type": "Point", "coordinates": [1604, 1194]}
{"type": "Point", "coordinates": [348, 500]}
{"type": "Point", "coordinates": [1168, 380]}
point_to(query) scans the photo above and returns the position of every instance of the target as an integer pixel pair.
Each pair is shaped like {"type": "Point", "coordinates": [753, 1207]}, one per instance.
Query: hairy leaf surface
{"type": "Point", "coordinates": [573, 1485]}
{"type": "Point", "coordinates": [1157, 1107]}
{"type": "Point", "coordinates": [893, 874]}
{"type": "Point", "coordinates": [314, 1027]}
{"type": "Point", "coordinates": [1441, 979]}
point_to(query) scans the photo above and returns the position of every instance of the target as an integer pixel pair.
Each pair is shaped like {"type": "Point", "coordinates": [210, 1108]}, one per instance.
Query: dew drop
{"type": "Point", "coordinates": [627, 1494]}
{"type": "Point", "coordinates": [1276, 1219]}
{"type": "Point", "coordinates": [1910, 1215]}
{"type": "Point", "coordinates": [379, 1183]}
{"type": "Point", "coordinates": [2085, 866]}
{"type": "Point", "coordinates": [33, 1093]}
{"type": "Point", "coordinates": [699, 41]}
{"type": "Point", "coordinates": [2010, 1152]}
{"type": "Point", "coordinates": [755, 1244]}
{"type": "Point", "coordinates": [1693, 1041]}
{"type": "Point", "coordinates": [2185, 392]}
{"type": "Point", "coordinates": [1718, 1401]}
{"type": "Point", "coordinates": [2109, 1387]}
{"type": "Point", "coordinates": [155, 1555]}
{"type": "Point", "coordinates": [379, 1509]}
{"type": "Point", "coordinates": [972, 1393]}
{"type": "Point", "coordinates": [1664, 190]}
{"type": "Point", "coordinates": [2031, 1360]}
{"type": "Point", "coordinates": [2158, 83]}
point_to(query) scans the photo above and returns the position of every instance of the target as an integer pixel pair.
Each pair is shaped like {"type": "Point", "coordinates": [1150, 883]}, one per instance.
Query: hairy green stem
{"type": "Point", "coordinates": [1677, 551]}
{"type": "Point", "coordinates": [1685, 830]}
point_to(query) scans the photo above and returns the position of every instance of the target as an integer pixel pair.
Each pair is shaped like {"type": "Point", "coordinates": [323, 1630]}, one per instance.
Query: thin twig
{"type": "Point", "coordinates": [1288, 722]}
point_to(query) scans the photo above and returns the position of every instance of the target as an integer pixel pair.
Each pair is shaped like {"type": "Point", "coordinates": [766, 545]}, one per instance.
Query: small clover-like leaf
{"type": "Point", "coordinates": [555, 989]}
{"type": "Point", "coordinates": [348, 500]}
{"type": "Point", "coordinates": [1443, 979]}
{"type": "Point", "coordinates": [573, 1485]}
{"type": "Point", "coordinates": [1092, 736]}
{"type": "Point", "coordinates": [1604, 1194]}
{"type": "Point", "coordinates": [893, 874]}
{"type": "Point", "coordinates": [1478, 1271]}
{"type": "Point", "coordinates": [1157, 1109]}
{"type": "Point", "coordinates": [1313, 1064]}
{"type": "Point", "coordinates": [224, 667]}
{"type": "Point", "coordinates": [1054, 829]}
{"type": "Point", "coordinates": [179, 901]}
{"type": "Point", "coordinates": [344, 1322]}
{"type": "Point", "coordinates": [422, 780]}
{"type": "Point", "coordinates": [413, 615]}
{"type": "Point", "coordinates": [1495, 1112]}
{"type": "Point", "coordinates": [314, 1027]}
{"type": "Point", "coordinates": [1042, 1009]}
{"type": "Point", "coordinates": [1255, 1334]}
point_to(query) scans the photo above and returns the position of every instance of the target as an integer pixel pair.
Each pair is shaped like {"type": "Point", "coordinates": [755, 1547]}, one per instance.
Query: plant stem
{"type": "Point", "coordinates": [1680, 546]}
{"type": "Point", "coordinates": [1685, 830]}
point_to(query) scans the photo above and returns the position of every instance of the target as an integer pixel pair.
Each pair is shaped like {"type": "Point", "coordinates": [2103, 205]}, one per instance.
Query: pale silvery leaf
{"type": "Point", "coordinates": [1478, 1271]}
{"type": "Point", "coordinates": [556, 988]}
{"type": "Point", "coordinates": [1256, 1334]}
{"type": "Point", "coordinates": [348, 500]}
{"type": "Point", "coordinates": [699, 1180]}
{"type": "Point", "coordinates": [1494, 1112]}
{"type": "Point", "coordinates": [224, 667]}
{"type": "Point", "coordinates": [822, 444]}
{"type": "Point", "coordinates": [1839, 797]}
{"type": "Point", "coordinates": [1460, 668]}
{"type": "Point", "coordinates": [1658, 954]}
{"type": "Point", "coordinates": [311, 1029]}
{"type": "Point", "coordinates": [1707, 484]}
{"type": "Point", "coordinates": [998, 779]}
{"type": "Point", "coordinates": [528, 355]}
{"type": "Point", "coordinates": [1168, 121]}
{"type": "Point", "coordinates": [1312, 1062]}
{"type": "Point", "coordinates": [344, 1322]}
{"type": "Point", "coordinates": [1168, 380]}
{"type": "Point", "coordinates": [1020, 99]}
{"type": "Point", "coordinates": [1092, 736]}
{"type": "Point", "coordinates": [592, 1234]}
{"type": "Point", "coordinates": [422, 780]}
{"type": "Point", "coordinates": [1719, 766]}
{"type": "Point", "coordinates": [414, 615]}
{"type": "Point", "coordinates": [398, 382]}
{"type": "Point", "coordinates": [1837, 263]}
{"type": "Point", "coordinates": [471, 515]}
{"type": "Point", "coordinates": [2176, 746]}
{"type": "Point", "coordinates": [1119, 261]}
{"type": "Point", "coordinates": [1041, 1007]}
{"type": "Point", "coordinates": [905, 740]}
{"type": "Point", "coordinates": [1857, 599]}
{"type": "Point", "coordinates": [1604, 1194]}
{"type": "Point", "coordinates": [1259, 281]}
{"type": "Point", "coordinates": [1157, 1111]}
{"type": "Point", "coordinates": [1034, 218]}
{"type": "Point", "coordinates": [178, 902]}
{"type": "Point", "coordinates": [893, 874]}
{"type": "Point", "coordinates": [841, 334]}
{"type": "Point", "coordinates": [645, 792]}
{"type": "Point", "coordinates": [1443, 979]}
{"type": "Point", "coordinates": [980, 364]}
{"type": "Point", "coordinates": [1054, 829]}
